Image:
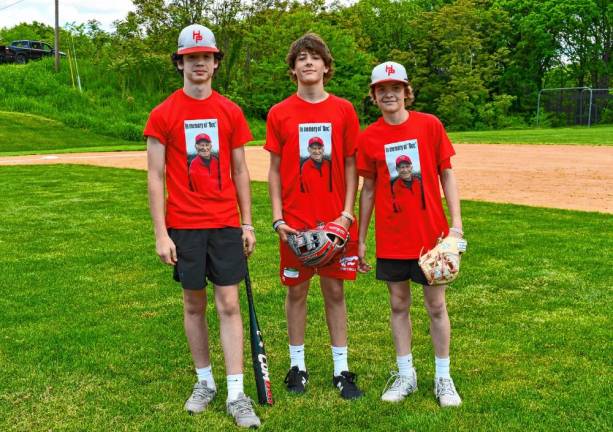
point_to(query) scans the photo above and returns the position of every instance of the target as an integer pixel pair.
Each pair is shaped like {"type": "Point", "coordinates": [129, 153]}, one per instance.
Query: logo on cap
{"type": "Point", "coordinates": [196, 38]}
{"type": "Point", "coordinates": [387, 72]}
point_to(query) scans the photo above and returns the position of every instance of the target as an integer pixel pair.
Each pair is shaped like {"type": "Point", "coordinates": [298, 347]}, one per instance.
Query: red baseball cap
{"type": "Point", "coordinates": [403, 159]}
{"type": "Point", "coordinates": [316, 141]}
{"type": "Point", "coordinates": [203, 137]}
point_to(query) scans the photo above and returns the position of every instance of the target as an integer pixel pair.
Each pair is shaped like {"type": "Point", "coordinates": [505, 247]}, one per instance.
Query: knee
{"type": "Point", "coordinates": [437, 309]}
{"type": "Point", "coordinates": [228, 307]}
{"type": "Point", "coordinates": [194, 308]}
{"type": "Point", "coordinates": [400, 306]}
{"type": "Point", "coordinates": [296, 295]}
{"type": "Point", "coordinates": [334, 296]}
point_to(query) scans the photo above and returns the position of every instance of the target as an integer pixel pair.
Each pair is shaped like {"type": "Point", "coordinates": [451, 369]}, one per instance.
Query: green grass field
{"type": "Point", "coordinates": [91, 333]}
{"type": "Point", "coordinates": [22, 134]}
{"type": "Point", "coordinates": [31, 134]}
{"type": "Point", "coordinates": [581, 135]}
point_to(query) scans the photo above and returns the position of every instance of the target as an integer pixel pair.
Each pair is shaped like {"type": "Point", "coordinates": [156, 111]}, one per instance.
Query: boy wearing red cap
{"type": "Point", "coordinates": [312, 137]}
{"type": "Point", "coordinates": [402, 157]}
{"type": "Point", "coordinates": [196, 132]}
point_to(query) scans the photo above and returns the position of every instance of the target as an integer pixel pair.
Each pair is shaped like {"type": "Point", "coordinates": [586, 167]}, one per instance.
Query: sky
{"type": "Point", "coordinates": [13, 12]}
{"type": "Point", "coordinates": [79, 11]}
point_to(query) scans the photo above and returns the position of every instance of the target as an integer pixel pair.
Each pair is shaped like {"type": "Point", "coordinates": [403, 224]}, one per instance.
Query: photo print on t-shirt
{"type": "Point", "coordinates": [315, 141]}
{"type": "Point", "coordinates": [402, 159]}
{"type": "Point", "coordinates": [202, 149]}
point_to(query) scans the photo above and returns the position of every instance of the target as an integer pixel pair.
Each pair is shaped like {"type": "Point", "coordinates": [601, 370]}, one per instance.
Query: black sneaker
{"type": "Point", "coordinates": [346, 383]}
{"type": "Point", "coordinates": [296, 380]}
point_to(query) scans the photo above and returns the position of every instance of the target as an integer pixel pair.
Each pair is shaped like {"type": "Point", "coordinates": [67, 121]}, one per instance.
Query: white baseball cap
{"type": "Point", "coordinates": [388, 71]}
{"type": "Point", "coordinates": [196, 38]}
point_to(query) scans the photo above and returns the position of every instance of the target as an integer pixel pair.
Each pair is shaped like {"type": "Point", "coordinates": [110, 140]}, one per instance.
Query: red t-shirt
{"type": "Point", "coordinates": [407, 219]}
{"type": "Point", "coordinates": [311, 196]}
{"type": "Point", "coordinates": [177, 123]}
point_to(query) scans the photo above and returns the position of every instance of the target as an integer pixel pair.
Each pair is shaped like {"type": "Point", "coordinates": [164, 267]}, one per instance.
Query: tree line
{"type": "Point", "coordinates": [477, 64]}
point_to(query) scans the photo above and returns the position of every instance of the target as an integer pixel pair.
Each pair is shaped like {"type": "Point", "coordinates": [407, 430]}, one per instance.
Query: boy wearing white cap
{"type": "Point", "coordinates": [198, 228]}
{"type": "Point", "coordinates": [402, 157]}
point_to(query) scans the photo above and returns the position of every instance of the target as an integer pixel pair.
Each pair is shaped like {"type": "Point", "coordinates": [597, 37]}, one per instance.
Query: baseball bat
{"type": "Point", "coordinates": [258, 351]}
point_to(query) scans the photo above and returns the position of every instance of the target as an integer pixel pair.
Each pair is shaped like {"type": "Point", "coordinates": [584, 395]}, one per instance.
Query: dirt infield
{"type": "Point", "coordinates": [556, 176]}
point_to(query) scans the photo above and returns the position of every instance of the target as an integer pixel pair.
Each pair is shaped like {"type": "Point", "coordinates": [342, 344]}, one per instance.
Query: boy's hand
{"type": "Point", "coordinates": [284, 230]}
{"type": "Point", "coordinates": [248, 242]}
{"type": "Point", "coordinates": [166, 250]}
{"type": "Point", "coordinates": [363, 266]}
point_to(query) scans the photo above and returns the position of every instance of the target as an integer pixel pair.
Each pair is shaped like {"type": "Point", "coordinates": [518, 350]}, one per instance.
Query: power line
{"type": "Point", "coordinates": [12, 4]}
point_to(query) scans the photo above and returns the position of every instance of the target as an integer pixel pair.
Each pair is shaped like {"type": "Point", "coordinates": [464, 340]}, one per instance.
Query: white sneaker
{"type": "Point", "coordinates": [446, 394]}
{"type": "Point", "coordinates": [201, 396]}
{"type": "Point", "coordinates": [242, 411]}
{"type": "Point", "coordinates": [400, 388]}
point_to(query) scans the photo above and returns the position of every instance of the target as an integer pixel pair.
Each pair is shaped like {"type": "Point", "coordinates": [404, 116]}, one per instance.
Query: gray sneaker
{"type": "Point", "coordinates": [201, 396]}
{"type": "Point", "coordinates": [400, 388]}
{"type": "Point", "coordinates": [242, 411]}
{"type": "Point", "coordinates": [446, 394]}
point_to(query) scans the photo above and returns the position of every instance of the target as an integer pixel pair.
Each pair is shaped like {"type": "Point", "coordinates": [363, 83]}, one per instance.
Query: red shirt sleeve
{"type": "Point", "coordinates": [446, 164]}
{"type": "Point", "coordinates": [273, 144]}
{"type": "Point", "coordinates": [365, 164]}
{"type": "Point", "coordinates": [156, 126]}
{"type": "Point", "coordinates": [352, 130]}
{"type": "Point", "coordinates": [444, 148]}
{"type": "Point", "coordinates": [241, 134]}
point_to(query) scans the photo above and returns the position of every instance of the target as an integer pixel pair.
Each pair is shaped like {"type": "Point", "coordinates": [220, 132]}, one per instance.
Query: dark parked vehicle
{"type": "Point", "coordinates": [22, 51]}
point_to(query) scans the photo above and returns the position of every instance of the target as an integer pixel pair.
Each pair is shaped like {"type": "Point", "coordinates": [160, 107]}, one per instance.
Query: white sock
{"type": "Point", "coordinates": [206, 374]}
{"type": "Point", "coordinates": [235, 386]}
{"type": "Point", "coordinates": [296, 356]}
{"type": "Point", "coordinates": [405, 365]}
{"type": "Point", "coordinates": [339, 356]}
{"type": "Point", "coordinates": [442, 367]}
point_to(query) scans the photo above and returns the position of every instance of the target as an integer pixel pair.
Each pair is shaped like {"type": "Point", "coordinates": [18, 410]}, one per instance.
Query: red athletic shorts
{"type": "Point", "coordinates": [293, 272]}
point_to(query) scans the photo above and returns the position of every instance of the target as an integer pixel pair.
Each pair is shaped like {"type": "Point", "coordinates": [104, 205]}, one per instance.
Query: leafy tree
{"type": "Point", "coordinates": [34, 31]}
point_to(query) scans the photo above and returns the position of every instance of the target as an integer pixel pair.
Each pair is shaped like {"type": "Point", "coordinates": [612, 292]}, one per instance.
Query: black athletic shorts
{"type": "Point", "coordinates": [215, 254]}
{"type": "Point", "coordinates": [398, 270]}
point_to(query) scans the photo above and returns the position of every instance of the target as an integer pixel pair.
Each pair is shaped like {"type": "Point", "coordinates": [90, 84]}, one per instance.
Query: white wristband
{"type": "Point", "coordinates": [457, 230]}
{"type": "Point", "coordinates": [348, 216]}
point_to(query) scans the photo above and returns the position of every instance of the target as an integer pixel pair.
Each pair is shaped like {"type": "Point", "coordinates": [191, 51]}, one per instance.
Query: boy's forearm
{"type": "Point", "coordinates": [243, 192]}
{"type": "Point", "coordinates": [452, 196]}
{"type": "Point", "coordinates": [351, 184]}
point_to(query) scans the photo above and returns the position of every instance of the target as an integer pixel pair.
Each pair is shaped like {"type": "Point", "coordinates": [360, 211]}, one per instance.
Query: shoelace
{"type": "Point", "coordinates": [397, 384]}
{"type": "Point", "coordinates": [243, 406]}
{"type": "Point", "coordinates": [203, 393]}
{"type": "Point", "coordinates": [445, 387]}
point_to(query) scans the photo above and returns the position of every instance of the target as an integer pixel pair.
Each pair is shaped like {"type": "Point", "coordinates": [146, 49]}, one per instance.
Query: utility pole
{"type": "Point", "coordinates": [56, 45]}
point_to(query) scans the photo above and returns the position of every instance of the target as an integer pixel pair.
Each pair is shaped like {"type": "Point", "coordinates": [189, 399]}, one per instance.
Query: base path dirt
{"type": "Point", "coordinates": [556, 176]}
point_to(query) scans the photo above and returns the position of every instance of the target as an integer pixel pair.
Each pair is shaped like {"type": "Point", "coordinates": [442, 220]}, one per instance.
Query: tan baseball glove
{"type": "Point", "coordinates": [441, 264]}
